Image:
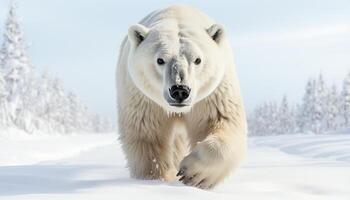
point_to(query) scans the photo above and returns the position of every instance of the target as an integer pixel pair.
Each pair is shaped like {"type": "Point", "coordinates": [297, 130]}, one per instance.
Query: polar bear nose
{"type": "Point", "coordinates": [179, 92]}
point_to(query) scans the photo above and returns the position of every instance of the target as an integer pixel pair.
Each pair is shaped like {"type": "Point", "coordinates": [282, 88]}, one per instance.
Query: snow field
{"type": "Point", "coordinates": [93, 167]}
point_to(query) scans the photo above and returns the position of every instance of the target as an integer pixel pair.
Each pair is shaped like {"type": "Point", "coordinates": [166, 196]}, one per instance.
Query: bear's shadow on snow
{"type": "Point", "coordinates": [44, 179]}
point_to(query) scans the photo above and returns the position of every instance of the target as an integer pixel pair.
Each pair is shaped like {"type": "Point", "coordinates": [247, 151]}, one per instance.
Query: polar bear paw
{"type": "Point", "coordinates": [201, 172]}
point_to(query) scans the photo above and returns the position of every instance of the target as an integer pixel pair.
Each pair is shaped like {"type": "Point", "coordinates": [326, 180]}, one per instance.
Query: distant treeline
{"type": "Point", "coordinates": [323, 109]}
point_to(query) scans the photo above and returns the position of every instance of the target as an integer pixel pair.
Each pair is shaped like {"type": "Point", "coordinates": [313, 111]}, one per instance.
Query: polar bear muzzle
{"type": "Point", "coordinates": [179, 93]}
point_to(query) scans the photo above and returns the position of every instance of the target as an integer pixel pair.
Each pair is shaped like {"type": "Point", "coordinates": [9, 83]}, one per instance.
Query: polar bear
{"type": "Point", "coordinates": [180, 111]}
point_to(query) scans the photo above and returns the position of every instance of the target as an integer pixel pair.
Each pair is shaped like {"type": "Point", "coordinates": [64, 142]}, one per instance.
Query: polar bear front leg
{"type": "Point", "coordinates": [215, 157]}
{"type": "Point", "coordinates": [149, 160]}
{"type": "Point", "coordinates": [147, 147]}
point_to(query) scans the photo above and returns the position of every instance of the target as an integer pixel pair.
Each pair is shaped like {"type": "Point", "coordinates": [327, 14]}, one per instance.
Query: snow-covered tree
{"type": "Point", "coordinates": [4, 113]}
{"type": "Point", "coordinates": [316, 109]}
{"type": "Point", "coordinates": [74, 116]}
{"type": "Point", "coordinates": [307, 109]}
{"type": "Point", "coordinates": [57, 106]}
{"type": "Point", "coordinates": [286, 118]}
{"type": "Point", "coordinates": [265, 120]}
{"type": "Point", "coordinates": [255, 121]}
{"type": "Point", "coordinates": [98, 124]}
{"type": "Point", "coordinates": [332, 105]}
{"type": "Point", "coordinates": [14, 60]}
{"type": "Point", "coordinates": [26, 118]}
{"type": "Point", "coordinates": [85, 118]}
{"type": "Point", "coordinates": [320, 110]}
{"type": "Point", "coordinates": [272, 118]}
{"type": "Point", "coordinates": [299, 119]}
{"type": "Point", "coordinates": [41, 103]}
{"type": "Point", "coordinates": [107, 125]}
{"type": "Point", "coordinates": [102, 124]}
{"type": "Point", "coordinates": [345, 101]}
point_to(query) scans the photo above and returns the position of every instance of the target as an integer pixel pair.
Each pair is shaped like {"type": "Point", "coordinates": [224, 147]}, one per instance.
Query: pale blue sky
{"type": "Point", "coordinates": [278, 44]}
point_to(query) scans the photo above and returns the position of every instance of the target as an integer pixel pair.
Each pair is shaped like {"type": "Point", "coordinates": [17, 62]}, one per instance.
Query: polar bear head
{"type": "Point", "coordinates": [176, 65]}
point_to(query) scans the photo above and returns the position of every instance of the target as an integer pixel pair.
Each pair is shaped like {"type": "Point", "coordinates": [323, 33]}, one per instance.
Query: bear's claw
{"type": "Point", "coordinates": [181, 172]}
{"type": "Point", "coordinates": [194, 180]}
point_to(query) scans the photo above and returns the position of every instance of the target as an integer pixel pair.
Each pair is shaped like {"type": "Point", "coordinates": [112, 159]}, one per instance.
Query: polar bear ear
{"type": "Point", "coordinates": [137, 33]}
{"type": "Point", "coordinates": [216, 32]}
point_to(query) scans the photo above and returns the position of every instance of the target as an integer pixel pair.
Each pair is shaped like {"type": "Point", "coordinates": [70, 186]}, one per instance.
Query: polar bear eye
{"type": "Point", "coordinates": [197, 61]}
{"type": "Point", "coordinates": [160, 61]}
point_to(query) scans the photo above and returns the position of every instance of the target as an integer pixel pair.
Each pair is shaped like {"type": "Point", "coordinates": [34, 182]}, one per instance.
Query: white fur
{"type": "Point", "coordinates": [155, 135]}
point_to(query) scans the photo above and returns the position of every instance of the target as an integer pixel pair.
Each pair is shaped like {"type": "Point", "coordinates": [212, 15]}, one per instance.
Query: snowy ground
{"type": "Point", "coordinates": [92, 167]}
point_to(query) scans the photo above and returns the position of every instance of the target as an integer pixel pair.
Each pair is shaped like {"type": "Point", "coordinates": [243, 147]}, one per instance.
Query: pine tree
{"type": "Point", "coordinates": [26, 118]}
{"type": "Point", "coordinates": [107, 125]}
{"type": "Point", "coordinates": [256, 121]}
{"type": "Point", "coordinates": [307, 109]}
{"type": "Point", "coordinates": [4, 115]}
{"type": "Point", "coordinates": [84, 119]}
{"type": "Point", "coordinates": [15, 62]}
{"type": "Point", "coordinates": [42, 102]}
{"type": "Point", "coordinates": [265, 120]}
{"type": "Point", "coordinates": [345, 98]}
{"type": "Point", "coordinates": [319, 122]}
{"type": "Point", "coordinates": [286, 118]}
{"type": "Point", "coordinates": [102, 125]}
{"type": "Point", "coordinates": [293, 120]}
{"type": "Point", "coordinates": [273, 119]}
{"type": "Point", "coordinates": [332, 109]}
{"type": "Point", "coordinates": [299, 119]}
{"type": "Point", "coordinates": [97, 121]}
{"type": "Point", "coordinates": [73, 121]}
{"type": "Point", "coordinates": [57, 106]}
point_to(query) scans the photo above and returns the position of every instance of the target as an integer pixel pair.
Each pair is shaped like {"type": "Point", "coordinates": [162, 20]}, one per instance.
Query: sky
{"type": "Point", "coordinates": [278, 44]}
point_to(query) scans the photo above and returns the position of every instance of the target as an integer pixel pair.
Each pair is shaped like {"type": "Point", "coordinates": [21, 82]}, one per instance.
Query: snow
{"type": "Point", "coordinates": [31, 149]}
{"type": "Point", "coordinates": [92, 166]}
{"type": "Point", "coordinates": [330, 147]}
